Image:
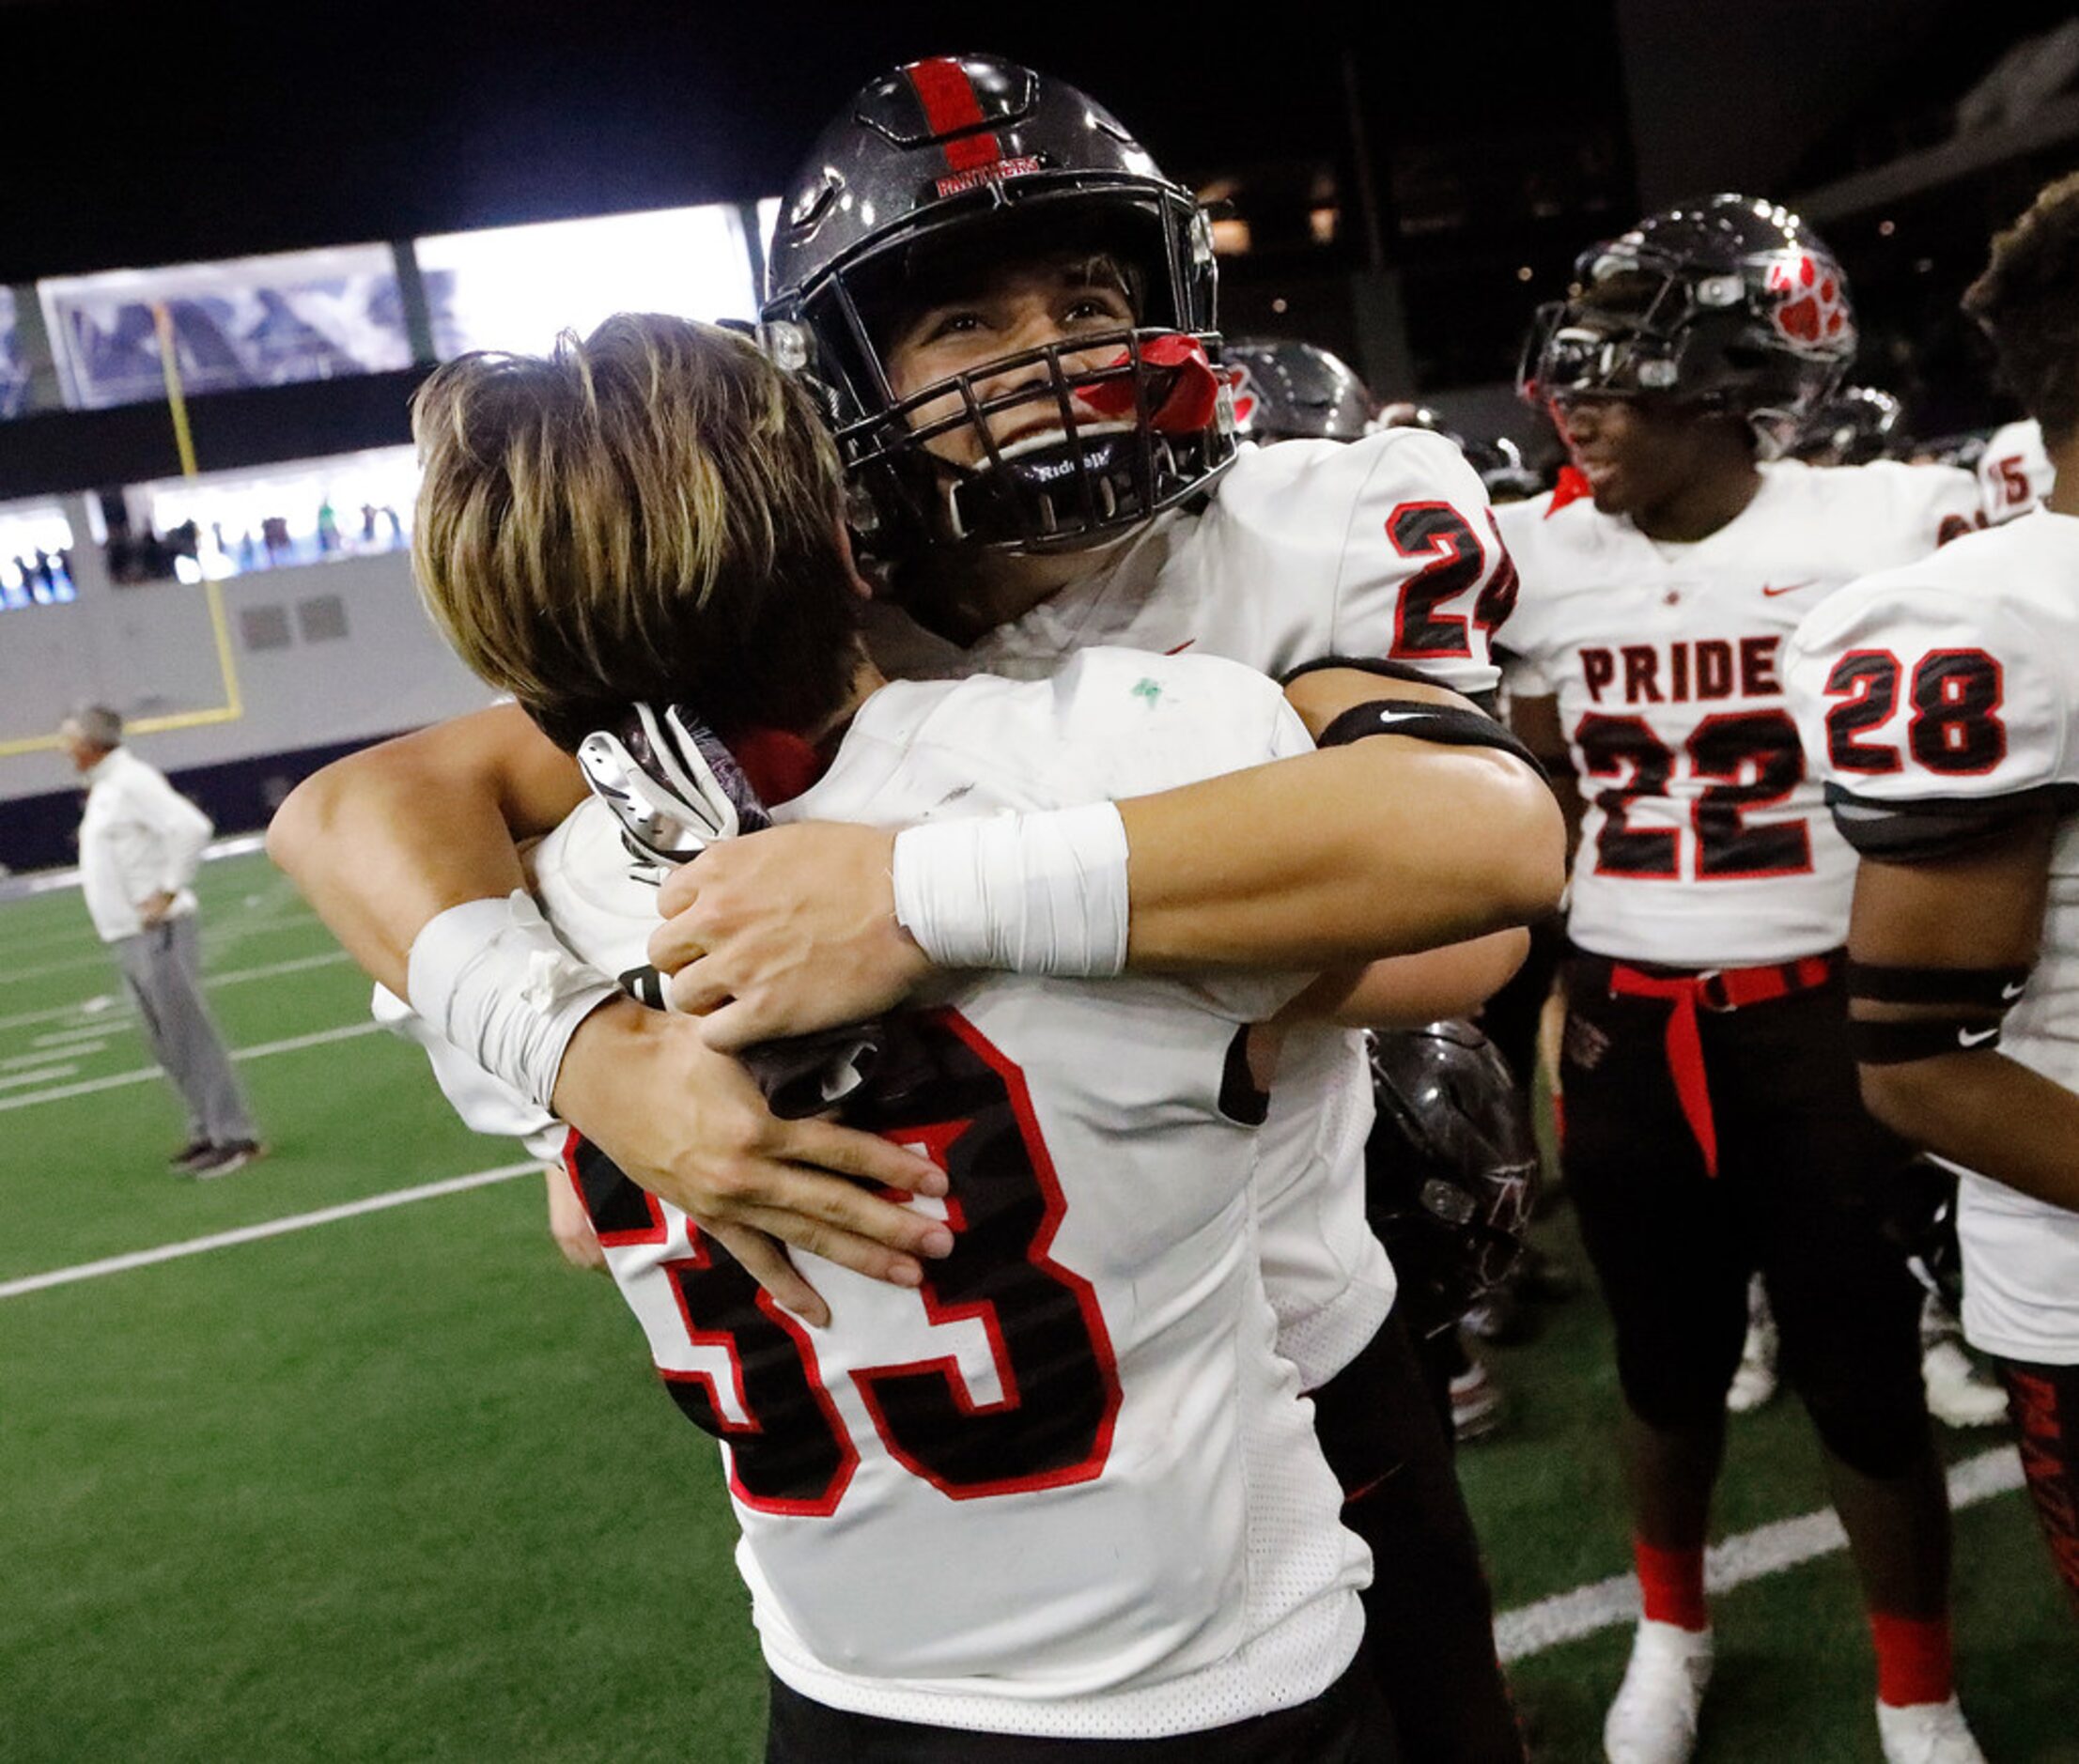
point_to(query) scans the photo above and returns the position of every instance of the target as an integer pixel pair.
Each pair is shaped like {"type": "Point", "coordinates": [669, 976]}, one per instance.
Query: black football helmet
{"type": "Point", "coordinates": [1499, 461]}
{"type": "Point", "coordinates": [1450, 1169]}
{"type": "Point", "coordinates": [1856, 424]}
{"type": "Point", "coordinates": [1290, 390]}
{"type": "Point", "coordinates": [1731, 304]}
{"type": "Point", "coordinates": [938, 170]}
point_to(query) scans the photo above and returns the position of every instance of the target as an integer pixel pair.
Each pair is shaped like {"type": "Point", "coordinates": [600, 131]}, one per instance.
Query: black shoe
{"type": "Point", "coordinates": [184, 1159]}
{"type": "Point", "coordinates": [222, 1160]}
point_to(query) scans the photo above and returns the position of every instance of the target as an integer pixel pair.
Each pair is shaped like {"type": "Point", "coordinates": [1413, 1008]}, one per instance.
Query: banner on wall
{"type": "Point", "coordinates": [14, 370]}
{"type": "Point", "coordinates": [251, 321]}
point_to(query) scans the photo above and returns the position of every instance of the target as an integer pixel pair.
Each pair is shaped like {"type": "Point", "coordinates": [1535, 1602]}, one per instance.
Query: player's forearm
{"type": "Point", "coordinates": [1407, 991]}
{"type": "Point", "coordinates": [1988, 1113]}
{"type": "Point", "coordinates": [1384, 847]}
{"type": "Point", "coordinates": [382, 842]}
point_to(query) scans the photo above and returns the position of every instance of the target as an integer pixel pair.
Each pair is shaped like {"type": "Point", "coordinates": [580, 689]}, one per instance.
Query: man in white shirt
{"type": "Point", "coordinates": [140, 840]}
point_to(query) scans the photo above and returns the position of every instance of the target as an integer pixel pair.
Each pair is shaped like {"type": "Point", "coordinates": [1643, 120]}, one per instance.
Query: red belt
{"type": "Point", "coordinates": [1718, 989]}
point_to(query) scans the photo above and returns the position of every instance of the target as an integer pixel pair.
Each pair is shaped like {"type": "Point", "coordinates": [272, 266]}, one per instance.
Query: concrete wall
{"type": "Point", "coordinates": [358, 661]}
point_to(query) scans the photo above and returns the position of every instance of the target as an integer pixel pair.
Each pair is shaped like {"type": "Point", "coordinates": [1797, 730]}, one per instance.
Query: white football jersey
{"type": "Point", "coordinates": [1958, 678]}
{"type": "Point", "coordinates": [1383, 549]}
{"type": "Point", "coordinates": [1705, 840]}
{"type": "Point", "coordinates": [1069, 1487]}
{"type": "Point", "coordinates": [2014, 473]}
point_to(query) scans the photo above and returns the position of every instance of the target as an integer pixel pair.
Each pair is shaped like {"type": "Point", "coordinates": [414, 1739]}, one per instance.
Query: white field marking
{"type": "Point", "coordinates": [1766, 1549]}
{"type": "Point", "coordinates": [52, 880]}
{"type": "Point", "coordinates": [272, 1227]}
{"type": "Point", "coordinates": [87, 1087]}
{"type": "Point", "coordinates": [83, 1032]}
{"type": "Point", "coordinates": [66, 1051]}
{"type": "Point", "coordinates": [58, 1013]}
{"type": "Point", "coordinates": [79, 1011]}
{"type": "Point", "coordinates": [75, 1050]}
{"type": "Point", "coordinates": [42, 1076]}
{"type": "Point", "coordinates": [331, 958]}
{"type": "Point", "coordinates": [232, 937]}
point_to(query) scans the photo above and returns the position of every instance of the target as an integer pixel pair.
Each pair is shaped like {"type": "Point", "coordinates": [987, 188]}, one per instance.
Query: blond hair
{"type": "Point", "coordinates": [649, 512]}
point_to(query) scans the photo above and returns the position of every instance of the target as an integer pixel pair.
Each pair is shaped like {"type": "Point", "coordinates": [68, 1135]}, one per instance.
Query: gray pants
{"type": "Point", "coordinates": [164, 972]}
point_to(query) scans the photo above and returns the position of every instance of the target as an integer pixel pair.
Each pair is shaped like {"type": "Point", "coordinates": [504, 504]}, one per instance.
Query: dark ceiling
{"type": "Point", "coordinates": [142, 134]}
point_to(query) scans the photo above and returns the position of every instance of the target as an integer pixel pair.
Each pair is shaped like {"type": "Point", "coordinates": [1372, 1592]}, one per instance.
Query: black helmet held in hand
{"type": "Point", "coordinates": [935, 174]}
{"type": "Point", "coordinates": [1450, 1169]}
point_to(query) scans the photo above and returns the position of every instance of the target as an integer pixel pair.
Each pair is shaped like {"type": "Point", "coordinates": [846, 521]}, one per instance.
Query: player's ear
{"type": "Point", "coordinates": [862, 584]}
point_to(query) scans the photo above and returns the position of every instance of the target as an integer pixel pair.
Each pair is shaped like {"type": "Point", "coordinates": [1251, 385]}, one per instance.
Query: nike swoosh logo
{"type": "Point", "coordinates": [1398, 716]}
{"type": "Point", "coordinates": [1789, 589]}
{"type": "Point", "coordinates": [2010, 993]}
{"type": "Point", "coordinates": [1972, 1038]}
{"type": "Point", "coordinates": [1181, 647]}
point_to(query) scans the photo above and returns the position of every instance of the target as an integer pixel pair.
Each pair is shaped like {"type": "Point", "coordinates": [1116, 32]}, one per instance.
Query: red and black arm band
{"type": "Point", "coordinates": [1445, 724]}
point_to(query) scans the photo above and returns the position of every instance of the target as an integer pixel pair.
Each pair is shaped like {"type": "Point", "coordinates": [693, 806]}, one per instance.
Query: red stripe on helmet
{"type": "Point", "coordinates": [951, 104]}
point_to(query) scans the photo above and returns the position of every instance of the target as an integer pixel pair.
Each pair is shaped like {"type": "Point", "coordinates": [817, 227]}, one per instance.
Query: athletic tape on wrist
{"type": "Point", "coordinates": [1037, 894]}
{"type": "Point", "coordinates": [492, 978]}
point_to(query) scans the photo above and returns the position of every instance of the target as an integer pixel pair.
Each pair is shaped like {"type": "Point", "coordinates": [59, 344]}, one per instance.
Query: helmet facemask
{"type": "Point", "coordinates": [1643, 326]}
{"type": "Point", "coordinates": [1125, 422]}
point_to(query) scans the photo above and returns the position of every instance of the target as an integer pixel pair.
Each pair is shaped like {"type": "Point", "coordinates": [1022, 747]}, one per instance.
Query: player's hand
{"type": "Point", "coordinates": [571, 1226]}
{"type": "Point", "coordinates": [786, 931]}
{"type": "Point", "coordinates": [153, 909]}
{"type": "Point", "coordinates": [688, 1123]}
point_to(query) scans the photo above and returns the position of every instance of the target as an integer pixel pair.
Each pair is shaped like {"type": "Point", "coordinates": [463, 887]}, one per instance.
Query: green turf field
{"type": "Point", "coordinates": [401, 1486]}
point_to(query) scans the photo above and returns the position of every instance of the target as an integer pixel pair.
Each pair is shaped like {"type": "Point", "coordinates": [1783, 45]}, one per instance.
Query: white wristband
{"type": "Point", "coordinates": [1038, 893]}
{"type": "Point", "coordinates": [492, 977]}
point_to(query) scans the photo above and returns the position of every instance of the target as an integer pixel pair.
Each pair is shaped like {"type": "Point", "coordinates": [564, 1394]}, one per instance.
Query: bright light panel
{"type": "Point", "coordinates": [517, 287]}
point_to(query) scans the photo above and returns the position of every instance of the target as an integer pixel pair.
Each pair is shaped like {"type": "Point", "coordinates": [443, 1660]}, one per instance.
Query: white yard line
{"type": "Point", "coordinates": [50, 880]}
{"type": "Point", "coordinates": [1766, 1549]}
{"type": "Point", "coordinates": [68, 1050]}
{"type": "Point", "coordinates": [87, 1087]}
{"type": "Point", "coordinates": [43, 1074]}
{"type": "Point", "coordinates": [232, 936]}
{"type": "Point", "coordinates": [331, 958]}
{"type": "Point", "coordinates": [83, 1032]}
{"type": "Point", "coordinates": [120, 1013]}
{"type": "Point", "coordinates": [271, 1228]}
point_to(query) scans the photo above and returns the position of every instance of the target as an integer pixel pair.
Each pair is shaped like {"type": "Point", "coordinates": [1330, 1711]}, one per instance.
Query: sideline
{"type": "Point", "coordinates": [272, 1227]}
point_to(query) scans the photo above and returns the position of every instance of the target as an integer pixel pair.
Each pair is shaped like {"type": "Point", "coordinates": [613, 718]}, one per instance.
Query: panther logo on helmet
{"type": "Point", "coordinates": [1811, 307]}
